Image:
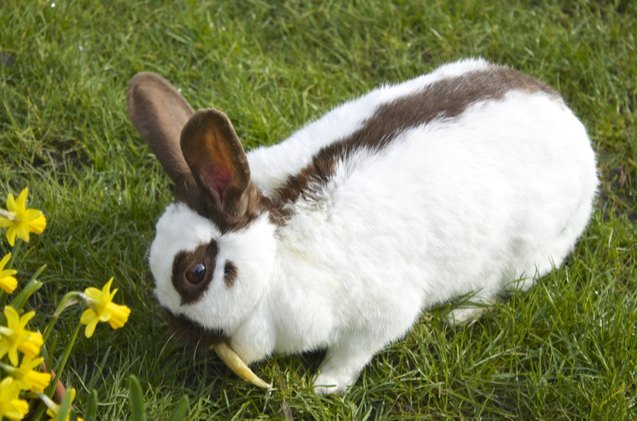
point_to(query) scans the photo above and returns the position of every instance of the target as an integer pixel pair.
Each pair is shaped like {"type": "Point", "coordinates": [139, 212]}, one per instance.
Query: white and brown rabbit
{"type": "Point", "coordinates": [472, 179]}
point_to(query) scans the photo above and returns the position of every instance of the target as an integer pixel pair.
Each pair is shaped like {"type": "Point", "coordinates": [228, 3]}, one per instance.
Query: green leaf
{"type": "Point", "coordinates": [65, 407]}
{"type": "Point", "coordinates": [91, 407]}
{"type": "Point", "coordinates": [136, 398]}
{"type": "Point", "coordinates": [181, 409]}
{"type": "Point", "coordinates": [29, 289]}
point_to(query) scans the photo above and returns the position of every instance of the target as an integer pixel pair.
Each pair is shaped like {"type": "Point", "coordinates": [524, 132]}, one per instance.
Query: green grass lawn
{"type": "Point", "coordinates": [567, 349]}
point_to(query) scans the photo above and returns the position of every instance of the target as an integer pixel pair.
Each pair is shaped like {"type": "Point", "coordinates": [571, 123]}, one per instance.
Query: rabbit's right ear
{"type": "Point", "coordinates": [159, 113]}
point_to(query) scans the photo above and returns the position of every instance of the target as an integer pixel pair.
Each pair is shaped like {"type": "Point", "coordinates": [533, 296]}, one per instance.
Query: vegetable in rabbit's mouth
{"type": "Point", "coordinates": [191, 332]}
{"type": "Point", "coordinates": [238, 367]}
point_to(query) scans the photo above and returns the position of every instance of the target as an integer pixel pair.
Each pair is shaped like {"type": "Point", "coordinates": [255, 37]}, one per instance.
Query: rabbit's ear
{"type": "Point", "coordinates": [159, 113]}
{"type": "Point", "coordinates": [217, 161]}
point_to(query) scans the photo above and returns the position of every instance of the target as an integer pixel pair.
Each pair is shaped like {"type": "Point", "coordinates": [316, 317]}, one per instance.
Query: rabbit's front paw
{"type": "Point", "coordinates": [466, 315]}
{"type": "Point", "coordinates": [332, 383]}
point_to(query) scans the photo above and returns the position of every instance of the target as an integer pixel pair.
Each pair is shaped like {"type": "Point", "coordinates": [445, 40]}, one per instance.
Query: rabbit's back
{"type": "Point", "coordinates": [272, 166]}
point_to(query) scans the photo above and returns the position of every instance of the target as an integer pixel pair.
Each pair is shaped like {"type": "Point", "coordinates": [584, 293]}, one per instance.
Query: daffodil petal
{"type": "Point", "coordinates": [35, 219]}
{"type": "Point", "coordinates": [93, 293]}
{"type": "Point", "coordinates": [90, 328]}
{"type": "Point", "coordinates": [22, 232]}
{"type": "Point", "coordinates": [17, 409]}
{"type": "Point", "coordinates": [26, 317]}
{"type": "Point", "coordinates": [21, 201]}
{"type": "Point", "coordinates": [88, 316]}
{"type": "Point", "coordinates": [37, 225]}
{"type": "Point", "coordinates": [4, 347]}
{"type": "Point", "coordinates": [32, 345]}
{"type": "Point", "coordinates": [32, 214]}
{"type": "Point", "coordinates": [107, 287]}
{"type": "Point", "coordinates": [5, 260]}
{"type": "Point", "coordinates": [13, 318]}
{"type": "Point", "coordinates": [12, 406]}
{"type": "Point", "coordinates": [11, 207]}
{"type": "Point", "coordinates": [119, 315]}
{"type": "Point", "coordinates": [38, 381]}
{"type": "Point", "coordinates": [90, 319]}
{"type": "Point", "coordinates": [8, 284]}
{"type": "Point", "coordinates": [11, 234]}
{"type": "Point", "coordinates": [13, 356]}
{"type": "Point", "coordinates": [8, 272]}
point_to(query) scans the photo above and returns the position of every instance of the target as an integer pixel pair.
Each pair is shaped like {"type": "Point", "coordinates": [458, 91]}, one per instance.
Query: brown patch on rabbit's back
{"type": "Point", "coordinates": [445, 99]}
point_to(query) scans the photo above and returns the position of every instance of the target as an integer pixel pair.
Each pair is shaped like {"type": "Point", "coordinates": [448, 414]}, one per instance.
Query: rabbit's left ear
{"type": "Point", "coordinates": [218, 162]}
{"type": "Point", "coordinates": [159, 113]}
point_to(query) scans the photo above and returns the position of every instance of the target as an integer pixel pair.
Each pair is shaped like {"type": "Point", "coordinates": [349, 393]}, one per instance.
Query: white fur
{"type": "Point", "coordinates": [470, 204]}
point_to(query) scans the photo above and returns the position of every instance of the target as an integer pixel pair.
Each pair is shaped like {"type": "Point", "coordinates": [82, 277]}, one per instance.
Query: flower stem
{"type": "Point", "coordinates": [67, 301]}
{"type": "Point", "coordinates": [15, 252]}
{"type": "Point", "coordinates": [58, 368]}
{"type": "Point", "coordinates": [67, 352]}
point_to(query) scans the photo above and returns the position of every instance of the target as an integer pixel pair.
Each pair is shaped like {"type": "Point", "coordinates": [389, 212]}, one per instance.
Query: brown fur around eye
{"type": "Point", "coordinates": [230, 273]}
{"type": "Point", "coordinates": [191, 292]}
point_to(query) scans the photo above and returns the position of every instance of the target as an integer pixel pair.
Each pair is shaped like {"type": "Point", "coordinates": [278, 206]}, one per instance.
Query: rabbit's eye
{"type": "Point", "coordinates": [196, 274]}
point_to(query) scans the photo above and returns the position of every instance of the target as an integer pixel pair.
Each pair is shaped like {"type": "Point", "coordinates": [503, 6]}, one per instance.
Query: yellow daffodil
{"type": "Point", "coordinates": [8, 282]}
{"type": "Point", "coordinates": [102, 309]}
{"type": "Point", "coordinates": [19, 220]}
{"type": "Point", "coordinates": [54, 409]}
{"type": "Point", "coordinates": [11, 406]}
{"type": "Point", "coordinates": [14, 337]}
{"type": "Point", "coordinates": [28, 376]}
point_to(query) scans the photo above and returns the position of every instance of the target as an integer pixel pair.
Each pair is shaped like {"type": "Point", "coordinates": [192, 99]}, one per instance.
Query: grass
{"type": "Point", "coordinates": [566, 349]}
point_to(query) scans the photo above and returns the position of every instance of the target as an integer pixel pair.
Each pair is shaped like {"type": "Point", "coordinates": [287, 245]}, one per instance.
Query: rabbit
{"type": "Point", "coordinates": [472, 179]}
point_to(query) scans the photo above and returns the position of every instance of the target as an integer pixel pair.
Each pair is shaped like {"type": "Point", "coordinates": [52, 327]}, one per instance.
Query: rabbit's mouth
{"type": "Point", "coordinates": [192, 332]}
